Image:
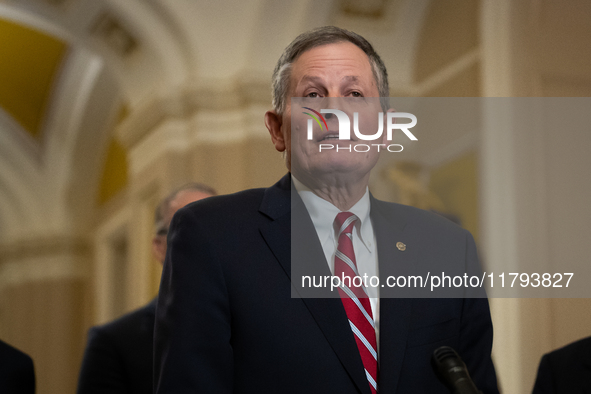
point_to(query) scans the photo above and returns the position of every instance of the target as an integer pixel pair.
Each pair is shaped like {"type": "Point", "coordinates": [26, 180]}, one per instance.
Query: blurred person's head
{"type": "Point", "coordinates": [182, 196]}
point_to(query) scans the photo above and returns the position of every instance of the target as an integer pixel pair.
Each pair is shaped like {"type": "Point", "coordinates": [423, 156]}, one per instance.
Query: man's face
{"type": "Point", "coordinates": [321, 73]}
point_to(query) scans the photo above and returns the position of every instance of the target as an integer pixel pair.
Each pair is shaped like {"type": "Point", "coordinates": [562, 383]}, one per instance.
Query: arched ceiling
{"type": "Point", "coordinates": [155, 46]}
{"type": "Point", "coordinates": [49, 81]}
{"type": "Point", "coordinates": [27, 78]}
{"type": "Point", "coordinates": [70, 65]}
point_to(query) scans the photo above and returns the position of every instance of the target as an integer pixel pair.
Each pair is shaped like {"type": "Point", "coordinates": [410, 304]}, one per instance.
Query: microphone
{"type": "Point", "coordinates": [452, 372]}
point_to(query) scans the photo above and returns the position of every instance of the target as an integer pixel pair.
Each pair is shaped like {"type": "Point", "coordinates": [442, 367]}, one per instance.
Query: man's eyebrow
{"type": "Point", "coordinates": [350, 78]}
{"type": "Point", "coordinates": [310, 78]}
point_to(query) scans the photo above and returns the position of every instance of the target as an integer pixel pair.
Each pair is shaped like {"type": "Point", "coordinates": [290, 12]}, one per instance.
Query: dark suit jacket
{"type": "Point", "coordinates": [566, 370]}
{"type": "Point", "coordinates": [17, 374]}
{"type": "Point", "coordinates": [119, 355]}
{"type": "Point", "coordinates": [226, 321]}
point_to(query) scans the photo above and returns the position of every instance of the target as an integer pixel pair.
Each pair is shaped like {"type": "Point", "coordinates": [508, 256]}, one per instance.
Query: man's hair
{"type": "Point", "coordinates": [162, 208]}
{"type": "Point", "coordinates": [315, 38]}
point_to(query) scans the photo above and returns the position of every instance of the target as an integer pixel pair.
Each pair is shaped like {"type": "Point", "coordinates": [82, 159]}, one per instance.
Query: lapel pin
{"type": "Point", "coordinates": [401, 246]}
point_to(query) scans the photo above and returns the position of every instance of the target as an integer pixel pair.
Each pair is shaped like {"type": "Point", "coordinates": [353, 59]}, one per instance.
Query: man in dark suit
{"type": "Point", "coordinates": [566, 370]}
{"type": "Point", "coordinates": [119, 355]}
{"type": "Point", "coordinates": [17, 374]}
{"type": "Point", "coordinates": [226, 320]}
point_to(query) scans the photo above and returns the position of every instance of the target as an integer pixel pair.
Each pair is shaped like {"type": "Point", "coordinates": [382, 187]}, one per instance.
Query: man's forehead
{"type": "Point", "coordinates": [342, 50]}
{"type": "Point", "coordinates": [343, 60]}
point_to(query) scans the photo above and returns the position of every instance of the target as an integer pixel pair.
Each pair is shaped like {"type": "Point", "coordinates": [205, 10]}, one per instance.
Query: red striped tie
{"type": "Point", "coordinates": [355, 299]}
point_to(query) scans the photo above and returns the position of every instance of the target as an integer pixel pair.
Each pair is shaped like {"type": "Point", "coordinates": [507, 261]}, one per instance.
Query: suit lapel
{"type": "Point", "coordinates": [394, 312]}
{"type": "Point", "coordinates": [276, 205]}
{"type": "Point", "coordinates": [291, 235]}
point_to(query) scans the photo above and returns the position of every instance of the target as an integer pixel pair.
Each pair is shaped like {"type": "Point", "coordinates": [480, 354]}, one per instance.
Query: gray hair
{"type": "Point", "coordinates": [162, 208]}
{"type": "Point", "coordinates": [315, 38]}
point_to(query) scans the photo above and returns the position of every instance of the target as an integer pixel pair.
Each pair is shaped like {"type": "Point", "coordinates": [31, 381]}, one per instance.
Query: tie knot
{"type": "Point", "coordinates": [345, 222]}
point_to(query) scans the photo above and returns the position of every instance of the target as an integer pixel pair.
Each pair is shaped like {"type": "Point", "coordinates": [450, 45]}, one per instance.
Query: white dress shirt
{"type": "Point", "coordinates": [323, 214]}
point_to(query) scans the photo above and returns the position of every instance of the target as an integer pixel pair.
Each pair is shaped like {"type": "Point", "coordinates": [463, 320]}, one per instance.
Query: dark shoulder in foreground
{"type": "Point", "coordinates": [17, 374]}
{"type": "Point", "coordinates": [580, 349]}
{"type": "Point", "coordinates": [139, 319]}
{"type": "Point", "coordinates": [9, 356]}
{"type": "Point", "coordinates": [270, 201]}
{"type": "Point", "coordinates": [565, 370]}
{"type": "Point", "coordinates": [226, 204]}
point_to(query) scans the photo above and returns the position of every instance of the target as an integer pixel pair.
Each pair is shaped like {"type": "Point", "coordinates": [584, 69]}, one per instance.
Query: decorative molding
{"type": "Point", "coordinates": [19, 136]}
{"type": "Point", "coordinates": [45, 259]}
{"type": "Point", "coordinates": [37, 20]}
{"type": "Point", "coordinates": [114, 34]}
{"type": "Point", "coordinates": [372, 15]}
{"type": "Point", "coordinates": [204, 127]}
{"type": "Point", "coordinates": [373, 9]}
{"type": "Point", "coordinates": [227, 127]}
{"type": "Point", "coordinates": [60, 4]}
{"type": "Point", "coordinates": [446, 73]}
{"type": "Point", "coordinates": [39, 269]}
{"type": "Point", "coordinates": [187, 103]}
{"type": "Point", "coordinates": [171, 135]}
{"type": "Point", "coordinates": [43, 247]}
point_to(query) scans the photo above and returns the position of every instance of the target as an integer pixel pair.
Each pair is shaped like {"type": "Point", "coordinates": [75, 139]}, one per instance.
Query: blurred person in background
{"type": "Point", "coordinates": [118, 356]}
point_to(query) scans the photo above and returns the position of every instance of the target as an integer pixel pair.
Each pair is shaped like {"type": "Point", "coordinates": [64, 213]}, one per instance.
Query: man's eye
{"type": "Point", "coordinates": [356, 94]}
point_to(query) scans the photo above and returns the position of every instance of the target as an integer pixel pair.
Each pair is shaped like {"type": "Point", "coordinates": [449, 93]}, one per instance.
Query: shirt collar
{"type": "Point", "coordinates": [323, 214]}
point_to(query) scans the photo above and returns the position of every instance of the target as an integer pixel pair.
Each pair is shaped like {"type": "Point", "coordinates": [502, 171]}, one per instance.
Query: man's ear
{"type": "Point", "coordinates": [274, 123]}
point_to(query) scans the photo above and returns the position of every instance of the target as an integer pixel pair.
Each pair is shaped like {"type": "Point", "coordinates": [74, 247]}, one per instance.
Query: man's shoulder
{"type": "Point", "coordinates": [242, 203]}
{"type": "Point", "coordinates": [565, 369]}
{"type": "Point", "coordinates": [578, 350]}
{"type": "Point", "coordinates": [249, 197]}
{"type": "Point", "coordinates": [12, 355]}
{"type": "Point", "coordinates": [127, 326]}
{"type": "Point", "coordinates": [17, 373]}
{"type": "Point", "coordinates": [218, 211]}
{"type": "Point", "coordinates": [416, 218]}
